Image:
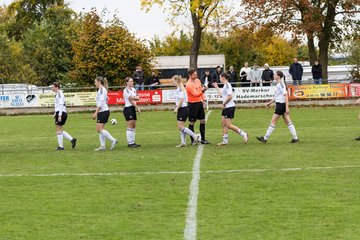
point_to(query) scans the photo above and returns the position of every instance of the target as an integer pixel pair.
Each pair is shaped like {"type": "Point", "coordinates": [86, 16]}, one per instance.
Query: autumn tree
{"type": "Point", "coordinates": [327, 21]}
{"type": "Point", "coordinates": [201, 13]}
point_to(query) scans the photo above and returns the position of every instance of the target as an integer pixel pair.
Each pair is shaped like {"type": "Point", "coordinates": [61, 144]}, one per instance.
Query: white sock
{"type": "Point", "coordinates": [242, 133]}
{"type": "Point", "coordinates": [102, 140]}
{"type": "Point", "coordinates": [189, 132]}
{"type": "Point", "coordinates": [67, 136]}
{"type": "Point", "coordinates": [129, 136]}
{"type": "Point", "coordinates": [60, 138]}
{"type": "Point", "coordinates": [269, 131]}
{"type": "Point", "coordinates": [291, 127]}
{"type": "Point", "coordinates": [133, 135]}
{"type": "Point", "coordinates": [226, 138]}
{"type": "Point", "coordinates": [182, 137]}
{"type": "Point", "coordinates": [107, 135]}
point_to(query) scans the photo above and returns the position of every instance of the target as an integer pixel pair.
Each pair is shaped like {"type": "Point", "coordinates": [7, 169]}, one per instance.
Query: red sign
{"type": "Point", "coordinates": [355, 89]}
{"type": "Point", "coordinates": [146, 97]}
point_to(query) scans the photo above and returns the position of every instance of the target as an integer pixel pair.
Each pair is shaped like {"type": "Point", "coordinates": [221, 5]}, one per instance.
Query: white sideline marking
{"type": "Point", "coordinates": [190, 222]}
{"type": "Point", "coordinates": [173, 172]}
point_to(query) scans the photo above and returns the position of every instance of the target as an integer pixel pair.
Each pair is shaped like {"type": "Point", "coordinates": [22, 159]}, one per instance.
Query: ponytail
{"type": "Point", "coordinates": [103, 82]}
{"type": "Point", "coordinates": [106, 84]}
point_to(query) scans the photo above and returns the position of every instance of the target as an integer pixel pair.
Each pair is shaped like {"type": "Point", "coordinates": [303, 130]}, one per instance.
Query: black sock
{"type": "Point", "coordinates": [202, 131]}
{"type": "Point", "coordinates": [191, 127]}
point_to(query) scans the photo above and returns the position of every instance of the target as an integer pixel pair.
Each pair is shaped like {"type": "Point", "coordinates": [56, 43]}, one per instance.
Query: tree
{"type": "Point", "coordinates": [354, 58]}
{"type": "Point", "coordinates": [327, 21]}
{"type": "Point", "coordinates": [201, 13]}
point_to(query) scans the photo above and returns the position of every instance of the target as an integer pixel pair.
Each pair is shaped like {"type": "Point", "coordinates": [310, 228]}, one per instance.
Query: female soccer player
{"type": "Point", "coordinates": [228, 110]}
{"type": "Point", "coordinates": [131, 97]}
{"type": "Point", "coordinates": [60, 117]}
{"type": "Point", "coordinates": [182, 112]}
{"type": "Point", "coordinates": [358, 138]}
{"type": "Point", "coordinates": [102, 114]}
{"type": "Point", "coordinates": [282, 109]}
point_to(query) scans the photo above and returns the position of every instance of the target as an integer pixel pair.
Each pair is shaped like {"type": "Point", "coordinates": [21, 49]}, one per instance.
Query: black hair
{"type": "Point", "coordinates": [191, 71]}
{"type": "Point", "coordinates": [56, 84]}
{"type": "Point", "coordinates": [225, 75]}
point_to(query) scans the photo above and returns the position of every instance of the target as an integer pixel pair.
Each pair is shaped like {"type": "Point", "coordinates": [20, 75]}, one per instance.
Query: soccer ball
{"type": "Point", "coordinates": [113, 121]}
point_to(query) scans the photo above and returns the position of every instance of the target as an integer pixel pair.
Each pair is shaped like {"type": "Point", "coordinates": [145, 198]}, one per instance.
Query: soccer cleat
{"type": "Point", "coordinates": [113, 144]}
{"type": "Point", "coordinates": [222, 143]}
{"type": "Point", "coordinates": [261, 139]}
{"type": "Point", "coordinates": [196, 140]}
{"type": "Point", "coordinates": [181, 145]}
{"type": "Point", "coordinates": [73, 142]}
{"type": "Point", "coordinates": [133, 145]}
{"type": "Point", "coordinates": [246, 138]}
{"type": "Point", "coordinates": [100, 149]}
{"type": "Point", "coordinates": [294, 140]}
{"type": "Point", "coordinates": [60, 148]}
{"type": "Point", "coordinates": [358, 138]}
{"type": "Point", "coordinates": [204, 142]}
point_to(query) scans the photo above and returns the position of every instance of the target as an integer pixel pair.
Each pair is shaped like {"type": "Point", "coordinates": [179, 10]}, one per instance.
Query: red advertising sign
{"type": "Point", "coordinates": [355, 89]}
{"type": "Point", "coordinates": [146, 97]}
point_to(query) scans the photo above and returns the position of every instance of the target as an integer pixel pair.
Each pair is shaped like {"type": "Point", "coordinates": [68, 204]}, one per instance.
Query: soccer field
{"type": "Point", "coordinates": [277, 190]}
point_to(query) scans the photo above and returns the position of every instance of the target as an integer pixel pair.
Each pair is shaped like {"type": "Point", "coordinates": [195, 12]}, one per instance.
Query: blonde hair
{"type": "Point", "coordinates": [179, 83]}
{"type": "Point", "coordinates": [103, 82]}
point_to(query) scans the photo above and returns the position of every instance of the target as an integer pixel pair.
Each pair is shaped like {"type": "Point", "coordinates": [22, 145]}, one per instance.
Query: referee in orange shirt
{"type": "Point", "coordinates": [195, 93]}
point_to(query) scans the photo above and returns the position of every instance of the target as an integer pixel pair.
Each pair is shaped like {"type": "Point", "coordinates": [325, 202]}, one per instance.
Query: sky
{"type": "Point", "coordinates": [143, 25]}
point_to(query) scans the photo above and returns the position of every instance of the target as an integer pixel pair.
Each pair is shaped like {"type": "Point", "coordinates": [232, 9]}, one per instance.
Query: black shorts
{"type": "Point", "coordinates": [182, 114]}
{"type": "Point", "coordinates": [63, 118]}
{"type": "Point", "coordinates": [103, 117]}
{"type": "Point", "coordinates": [196, 111]}
{"type": "Point", "coordinates": [280, 108]}
{"type": "Point", "coordinates": [228, 112]}
{"type": "Point", "coordinates": [130, 113]}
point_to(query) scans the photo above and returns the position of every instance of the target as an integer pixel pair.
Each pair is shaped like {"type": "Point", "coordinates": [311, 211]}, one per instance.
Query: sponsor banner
{"type": "Point", "coordinates": [354, 90]}
{"type": "Point", "coordinates": [71, 99]}
{"type": "Point", "coordinates": [318, 91]}
{"type": "Point", "coordinates": [240, 94]}
{"type": "Point", "coordinates": [146, 97]}
{"type": "Point", "coordinates": [18, 101]}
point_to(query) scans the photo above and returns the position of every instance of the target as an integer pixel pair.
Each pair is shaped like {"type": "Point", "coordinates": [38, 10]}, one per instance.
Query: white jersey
{"type": "Point", "coordinates": [180, 95]}
{"type": "Point", "coordinates": [226, 91]}
{"type": "Point", "coordinates": [280, 92]}
{"type": "Point", "coordinates": [129, 93]}
{"type": "Point", "coordinates": [102, 99]}
{"type": "Point", "coordinates": [60, 105]}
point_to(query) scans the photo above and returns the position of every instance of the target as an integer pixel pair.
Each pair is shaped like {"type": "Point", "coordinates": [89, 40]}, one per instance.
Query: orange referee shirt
{"type": "Point", "coordinates": [194, 91]}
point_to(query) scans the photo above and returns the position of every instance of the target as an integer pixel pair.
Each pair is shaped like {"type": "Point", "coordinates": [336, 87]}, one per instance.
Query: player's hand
{"type": "Point", "coordinates": [138, 109]}
{"type": "Point", "coordinates": [175, 110]}
{"type": "Point", "coordinates": [287, 111]}
{"type": "Point", "coordinates": [267, 105]}
{"type": "Point", "coordinates": [223, 106]}
{"type": "Point", "coordinates": [59, 119]}
{"type": "Point", "coordinates": [204, 104]}
{"type": "Point", "coordinates": [215, 84]}
{"type": "Point", "coordinates": [94, 116]}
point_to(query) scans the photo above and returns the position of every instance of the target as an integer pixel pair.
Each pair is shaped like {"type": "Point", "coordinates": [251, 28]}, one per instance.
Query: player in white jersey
{"type": "Point", "coordinates": [228, 111]}
{"type": "Point", "coordinates": [131, 98]}
{"type": "Point", "coordinates": [182, 112]}
{"type": "Point", "coordinates": [281, 100]}
{"type": "Point", "coordinates": [60, 117]}
{"type": "Point", "coordinates": [358, 138]}
{"type": "Point", "coordinates": [102, 114]}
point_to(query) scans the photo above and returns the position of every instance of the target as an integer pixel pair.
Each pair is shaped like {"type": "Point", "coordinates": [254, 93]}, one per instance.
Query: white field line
{"type": "Point", "coordinates": [176, 172]}
{"type": "Point", "coordinates": [191, 222]}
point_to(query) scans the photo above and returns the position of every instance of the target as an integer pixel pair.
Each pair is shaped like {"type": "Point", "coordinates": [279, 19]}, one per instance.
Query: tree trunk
{"type": "Point", "coordinates": [195, 46]}
{"type": "Point", "coordinates": [324, 58]}
{"type": "Point", "coordinates": [311, 48]}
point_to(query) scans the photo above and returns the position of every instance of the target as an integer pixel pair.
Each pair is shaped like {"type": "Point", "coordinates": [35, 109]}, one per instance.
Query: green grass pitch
{"type": "Point", "coordinates": [143, 193]}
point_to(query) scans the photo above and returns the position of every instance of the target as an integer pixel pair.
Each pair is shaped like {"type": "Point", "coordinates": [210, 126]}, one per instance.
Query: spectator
{"type": "Point", "coordinates": [267, 76]}
{"type": "Point", "coordinates": [317, 73]}
{"type": "Point", "coordinates": [245, 75]}
{"type": "Point", "coordinates": [216, 75]}
{"type": "Point", "coordinates": [152, 81]}
{"type": "Point", "coordinates": [296, 71]}
{"type": "Point", "coordinates": [255, 76]}
{"type": "Point", "coordinates": [206, 79]}
{"type": "Point", "coordinates": [232, 75]}
{"type": "Point", "coordinates": [138, 77]}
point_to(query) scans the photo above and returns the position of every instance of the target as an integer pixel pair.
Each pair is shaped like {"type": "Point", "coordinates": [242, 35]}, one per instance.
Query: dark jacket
{"type": "Point", "coordinates": [152, 80]}
{"type": "Point", "coordinates": [138, 77]}
{"type": "Point", "coordinates": [316, 71]}
{"type": "Point", "coordinates": [216, 77]}
{"type": "Point", "coordinates": [210, 79]}
{"type": "Point", "coordinates": [233, 76]}
{"type": "Point", "coordinates": [296, 71]}
{"type": "Point", "coordinates": [268, 76]}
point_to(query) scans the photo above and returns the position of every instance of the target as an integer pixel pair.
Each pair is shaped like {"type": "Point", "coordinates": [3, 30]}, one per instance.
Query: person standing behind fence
{"type": "Point", "coordinates": [267, 76]}
{"type": "Point", "coordinates": [317, 73]}
{"type": "Point", "coordinates": [232, 75]}
{"type": "Point", "coordinates": [206, 80]}
{"type": "Point", "coordinates": [245, 75]}
{"type": "Point", "coordinates": [228, 111]}
{"type": "Point", "coordinates": [282, 109]}
{"type": "Point", "coordinates": [152, 81]}
{"type": "Point", "coordinates": [255, 76]}
{"type": "Point", "coordinates": [216, 75]}
{"type": "Point", "coordinates": [131, 98]}
{"type": "Point", "coordinates": [195, 93]}
{"type": "Point", "coordinates": [296, 72]}
{"type": "Point", "coordinates": [138, 77]}
{"type": "Point", "coordinates": [182, 112]}
{"type": "Point", "coordinates": [102, 114]}
{"type": "Point", "coordinates": [60, 117]}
